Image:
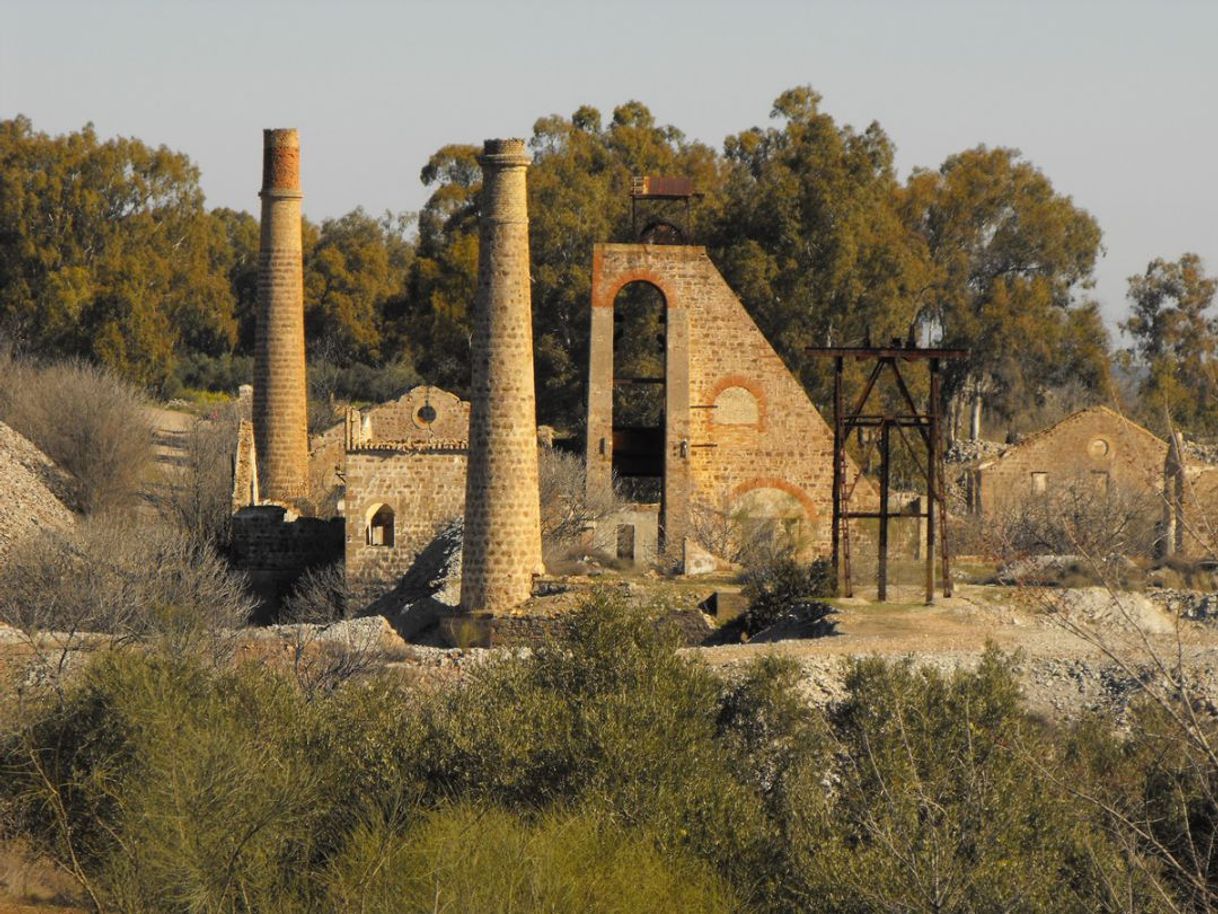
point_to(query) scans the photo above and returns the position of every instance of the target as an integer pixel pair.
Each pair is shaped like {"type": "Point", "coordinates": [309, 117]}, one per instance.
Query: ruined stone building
{"type": "Point", "coordinates": [690, 408]}
{"type": "Point", "coordinates": [712, 419]}
{"type": "Point", "coordinates": [1094, 450]}
{"type": "Point", "coordinates": [404, 475]}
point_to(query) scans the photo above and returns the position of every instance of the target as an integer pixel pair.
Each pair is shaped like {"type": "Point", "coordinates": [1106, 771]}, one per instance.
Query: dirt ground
{"type": "Point", "coordinates": [1079, 650]}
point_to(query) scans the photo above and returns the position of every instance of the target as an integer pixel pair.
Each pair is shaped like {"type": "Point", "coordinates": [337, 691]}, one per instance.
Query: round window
{"type": "Point", "coordinates": [1098, 447]}
{"type": "Point", "coordinates": [426, 414]}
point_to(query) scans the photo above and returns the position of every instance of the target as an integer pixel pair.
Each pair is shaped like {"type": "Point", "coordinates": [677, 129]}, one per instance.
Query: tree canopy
{"type": "Point", "coordinates": [1175, 342]}
{"type": "Point", "coordinates": [108, 252]}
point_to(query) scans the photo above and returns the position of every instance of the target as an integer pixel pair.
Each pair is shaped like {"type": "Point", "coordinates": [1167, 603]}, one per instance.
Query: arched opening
{"type": "Point", "coordinates": [769, 518]}
{"type": "Point", "coordinates": [380, 526]}
{"type": "Point", "coordinates": [736, 406]}
{"type": "Point", "coordinates": [639, 391]}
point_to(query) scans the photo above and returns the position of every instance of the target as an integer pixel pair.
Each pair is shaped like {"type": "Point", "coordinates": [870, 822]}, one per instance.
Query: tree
{"type": "Point", "coordinates": [811, 237]}
{"type": "Point", "coordinates": [241, 233]}
{"type": "Point", "coordinates": [1011, 259]}
{"type": "Point", "coordinates": [354, 270]}
{"type": "Point", "coordinates": [1175, 340]}
{"type": "Point", "coordinates": [106, 252]}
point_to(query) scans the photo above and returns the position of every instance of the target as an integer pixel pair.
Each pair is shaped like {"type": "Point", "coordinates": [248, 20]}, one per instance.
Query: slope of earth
{"type": "Point", "coordinates": [28, 485]}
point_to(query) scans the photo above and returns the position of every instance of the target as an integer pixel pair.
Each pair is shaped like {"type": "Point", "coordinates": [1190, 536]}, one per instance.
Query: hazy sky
{"type": "Point", "coordinates": [1115, 100]}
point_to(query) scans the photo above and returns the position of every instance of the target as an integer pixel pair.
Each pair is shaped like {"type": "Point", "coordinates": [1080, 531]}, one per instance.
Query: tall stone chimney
{"type": "Point", "coordinates": [280, 398]}
{"type": "Point", "coordinates": [502, 540]}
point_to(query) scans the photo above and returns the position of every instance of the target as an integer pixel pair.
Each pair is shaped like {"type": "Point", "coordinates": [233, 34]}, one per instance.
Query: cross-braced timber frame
{"type": "Point", "coordinates": [929, 427]}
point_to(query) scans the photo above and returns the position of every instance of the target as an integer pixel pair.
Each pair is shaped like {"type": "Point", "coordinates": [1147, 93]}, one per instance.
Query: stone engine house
{"type": "Point", "coordinates": [1096, 448]}
{"type": "Point", "coordinates": [729, 428]}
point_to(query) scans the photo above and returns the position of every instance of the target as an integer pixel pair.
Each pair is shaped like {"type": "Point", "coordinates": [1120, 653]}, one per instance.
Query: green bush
{"type": "Point", "coordinates": [784, 590]}
{"type": "Point", "coordinates": [601, 772]}
{"type": "Point", "coordinates": [490, 861]}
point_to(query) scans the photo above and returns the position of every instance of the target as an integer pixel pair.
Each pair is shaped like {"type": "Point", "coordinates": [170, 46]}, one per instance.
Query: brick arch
{"type": "Point", "coordinates": [749, 384]}
{"type": "Point", "coordinates": [605, 289]}
{"type": "Point", "coordinates": [771, 482]}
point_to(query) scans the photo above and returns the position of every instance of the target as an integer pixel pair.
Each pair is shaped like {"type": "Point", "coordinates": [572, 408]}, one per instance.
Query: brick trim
{"type": "Point", "coordinates": [752, 386]}
{"type": "Point", "coordinates": [771, 482]}
{"type": "Point", "coordinates": [605, 289]}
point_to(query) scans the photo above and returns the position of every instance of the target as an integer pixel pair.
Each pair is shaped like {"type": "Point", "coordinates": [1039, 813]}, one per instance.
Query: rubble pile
{"type": "Point", "coordinates": [28, 483]}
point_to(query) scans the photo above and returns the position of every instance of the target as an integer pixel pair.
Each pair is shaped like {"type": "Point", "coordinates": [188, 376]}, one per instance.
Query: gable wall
{"type": "Point", "coordinates": [1070, 453]}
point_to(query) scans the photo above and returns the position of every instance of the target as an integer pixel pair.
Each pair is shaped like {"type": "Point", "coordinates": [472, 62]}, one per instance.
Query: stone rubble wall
{"type": "Point", "coordinates": [273, 547]}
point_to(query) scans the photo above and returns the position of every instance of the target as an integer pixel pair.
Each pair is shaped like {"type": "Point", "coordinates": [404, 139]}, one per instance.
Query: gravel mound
{"type": "Point", "coordinates": [28, 483]}
{"type": "Point", "coordinates": [1116, 609]}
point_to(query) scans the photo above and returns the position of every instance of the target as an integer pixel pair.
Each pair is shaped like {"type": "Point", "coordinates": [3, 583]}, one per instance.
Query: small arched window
{"type": "Point", "coordinates": [736, 406]}
{"type": "Point", "coordinates": [380, 527]}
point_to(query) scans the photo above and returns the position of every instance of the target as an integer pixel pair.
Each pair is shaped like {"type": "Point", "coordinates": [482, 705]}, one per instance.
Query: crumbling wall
{"type": "Point", "coordinates": [409, 456]}
{"type": "Point", "coordinates": [274, 547]}
{"type": "Point", "coordinates": [1196, 521]}
{"type": "Point", "coordinates": [424, 487]}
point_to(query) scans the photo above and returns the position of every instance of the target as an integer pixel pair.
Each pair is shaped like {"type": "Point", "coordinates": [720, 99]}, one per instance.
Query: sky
{"type": "Point", "coordinates": [1113, 99]}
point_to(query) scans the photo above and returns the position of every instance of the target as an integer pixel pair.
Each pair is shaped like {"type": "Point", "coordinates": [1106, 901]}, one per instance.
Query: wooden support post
{"type": "Point", "coordinates": [885, 460]}
{"type": "Point", "coordinates": [940, 494]}
{"type": "Point", "coordinates": [932, 492]}
{"type": "Point", "coordinates": [839, 447]}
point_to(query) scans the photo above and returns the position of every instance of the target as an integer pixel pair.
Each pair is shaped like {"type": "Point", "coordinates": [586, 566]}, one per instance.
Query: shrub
{"type": "Point", "coordinates": [949, 798]}
{"type": "Point", "coordinates": [93, 424]}
{"type": "Point", "coordinates": [170, 787]}
{"type": "Point", "coordinates": [603, 772]}
{"type": "Point", "coordinates": [567, 508]}
{"type": "Point", "coordinates": [131, 580]}
{"type": "Point", "coordinates": [226, 373]}
{"type": "Point", "coordinates": [197, 493]}
{"type": "Point", "coordinates": [487, 860]}
{"type": "Point", "coordinates": [320, 596]}
{"type": "Point", "coordinates": [1075, 519]}
{"type": "Point", "coordinates": [784, 590]}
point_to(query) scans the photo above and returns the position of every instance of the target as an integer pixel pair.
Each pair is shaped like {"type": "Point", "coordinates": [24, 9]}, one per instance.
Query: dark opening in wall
{"type": "Point", "coordinates": [639, 390]}
{"type": "Point", "coordinates": [380, 527]}
{"type": "Point", "coordinates": [625, 542]}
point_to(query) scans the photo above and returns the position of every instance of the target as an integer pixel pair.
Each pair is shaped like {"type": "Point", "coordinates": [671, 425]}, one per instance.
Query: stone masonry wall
{"type": "Point", "coordinates": [1197, 515]}
{"type": "Point", "coordinates": [274, 547]}
{"type": "Point", "coordinates": [423, 488]}
{"type": "Point", "coordinates": [740, 430]}
{"type": "Point", "coordinates": [409, 455]}
{"type": "Point", "coordinates": [502, 540]}
{"type": "Point", "coordinates": [1094, 446]}
{"type": "Point", "coordinates": [280, 419]}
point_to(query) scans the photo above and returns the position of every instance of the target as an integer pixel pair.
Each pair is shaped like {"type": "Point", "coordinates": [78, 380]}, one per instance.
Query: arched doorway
{"type": "Point", "coordinates": [380, 528]}
{"type": "Point", "coordinates": [639, 391]}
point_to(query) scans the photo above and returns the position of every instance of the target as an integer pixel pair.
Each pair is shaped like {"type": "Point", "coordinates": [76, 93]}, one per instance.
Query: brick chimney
{"type": "Point", "coordinates": [502, 540]}
{"type": "Point", "coordinates": [280, 398]}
